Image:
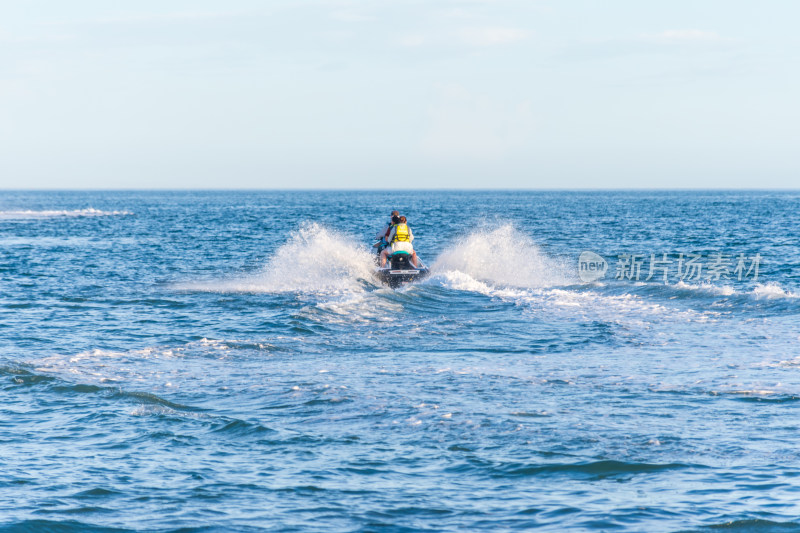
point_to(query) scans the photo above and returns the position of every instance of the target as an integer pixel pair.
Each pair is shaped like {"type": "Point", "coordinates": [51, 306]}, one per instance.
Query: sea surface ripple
{"type": "Point", "coordinates": [203, 361]}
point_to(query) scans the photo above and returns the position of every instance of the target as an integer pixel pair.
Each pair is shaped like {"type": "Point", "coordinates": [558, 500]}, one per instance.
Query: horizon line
{"type": "Point", "coordinates": [387, 189]}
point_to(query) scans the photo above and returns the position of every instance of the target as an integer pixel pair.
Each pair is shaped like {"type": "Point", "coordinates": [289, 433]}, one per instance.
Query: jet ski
{"type": "Point", "coordinates": [399, 270]}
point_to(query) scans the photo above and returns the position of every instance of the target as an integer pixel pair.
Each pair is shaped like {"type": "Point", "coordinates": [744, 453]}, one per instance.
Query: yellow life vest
{"type": "Point", "coordinates": [401, 233]}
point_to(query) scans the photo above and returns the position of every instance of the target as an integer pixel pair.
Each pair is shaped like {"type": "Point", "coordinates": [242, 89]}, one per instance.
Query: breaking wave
{"type": "Point", "coordinates": [772, 291]}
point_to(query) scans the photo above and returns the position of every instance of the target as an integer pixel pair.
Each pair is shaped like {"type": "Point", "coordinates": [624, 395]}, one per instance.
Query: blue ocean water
{"type": "Point", "coordinates": [202, 361]}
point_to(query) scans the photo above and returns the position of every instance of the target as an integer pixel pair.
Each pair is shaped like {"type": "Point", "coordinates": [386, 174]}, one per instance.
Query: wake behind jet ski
{"type": "Point", "coordinates": [396, 256]}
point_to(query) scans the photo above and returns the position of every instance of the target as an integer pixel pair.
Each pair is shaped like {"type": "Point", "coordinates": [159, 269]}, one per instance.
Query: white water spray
{"type": "Point", "coordinates": [314, 259]}
{"type": "Point", "coordinates": [500, 256]}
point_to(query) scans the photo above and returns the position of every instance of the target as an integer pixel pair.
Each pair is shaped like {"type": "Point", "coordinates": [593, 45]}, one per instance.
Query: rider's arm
{"type": "Point", "coordinates": [410, 235]}
{"type": "Point", "coordinates": [391, 234]}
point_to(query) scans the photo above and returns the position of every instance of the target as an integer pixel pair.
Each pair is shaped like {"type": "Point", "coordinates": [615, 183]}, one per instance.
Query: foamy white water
{"type": "Point", "coordinates": [88, 212]}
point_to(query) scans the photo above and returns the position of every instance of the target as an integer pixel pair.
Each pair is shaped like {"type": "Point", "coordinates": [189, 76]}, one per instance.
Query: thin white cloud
{"type": "Point", "coordinates": [151, 17]}
{"type": "Point", "coordinates": [48, 38]}
{"type": "Point", "coordinates": [351, 16]}
{"type": "Point", "coordinates": [481, 37]}
{"type": "Point", "coordinates": [412, 40]}
{"type": "Point", "coordinates": [455, 13]}
{"type": "Point", "coordinates": [682, 36]}
{"type": "Point", "coordinates": [491, 36]}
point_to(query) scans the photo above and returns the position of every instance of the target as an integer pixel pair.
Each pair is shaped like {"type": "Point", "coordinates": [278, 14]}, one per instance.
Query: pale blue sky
{"type": "Point", "coordinates": [399, 94]}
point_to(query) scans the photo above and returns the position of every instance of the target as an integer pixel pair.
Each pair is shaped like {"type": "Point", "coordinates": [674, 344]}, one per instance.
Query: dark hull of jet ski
{"type": "Point", "coordinates": [395, 278]}
{"type": "Point", "coordinates": [399, 271]}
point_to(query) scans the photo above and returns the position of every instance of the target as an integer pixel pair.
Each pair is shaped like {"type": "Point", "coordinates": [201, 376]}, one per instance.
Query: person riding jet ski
{"type": "Point", "coordinates": [383, 235]}
{"type": "Point", "coordinates": [399, 240]}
